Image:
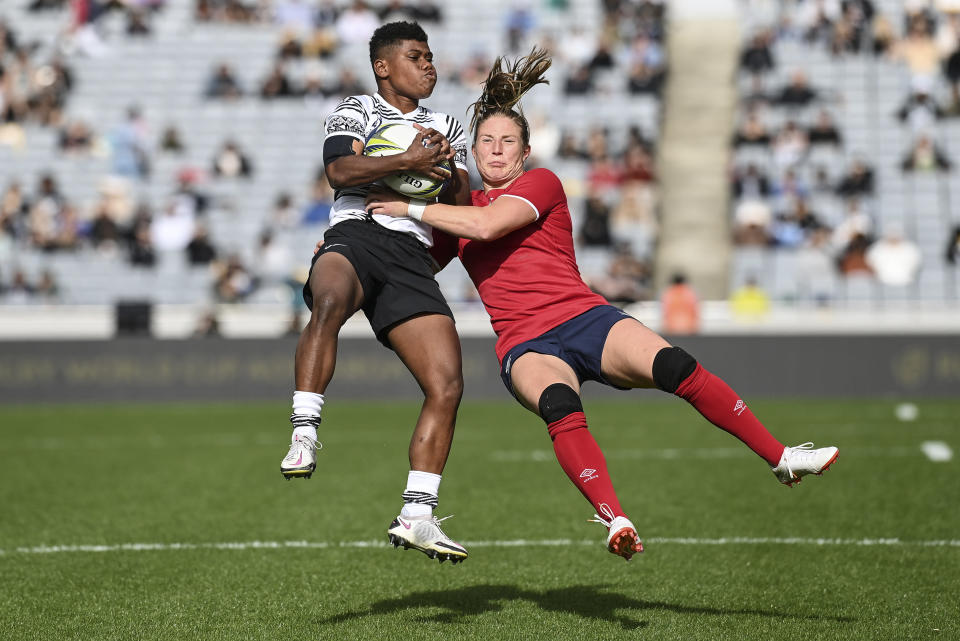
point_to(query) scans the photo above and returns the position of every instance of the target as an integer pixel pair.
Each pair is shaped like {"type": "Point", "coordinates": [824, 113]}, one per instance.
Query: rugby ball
{"type": "Point", "coordinates": [395, 138]}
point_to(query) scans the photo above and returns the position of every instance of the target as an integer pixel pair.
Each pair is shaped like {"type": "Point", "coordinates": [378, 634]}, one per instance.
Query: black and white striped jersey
{"type": "Point", "coordinates": [358, 116]}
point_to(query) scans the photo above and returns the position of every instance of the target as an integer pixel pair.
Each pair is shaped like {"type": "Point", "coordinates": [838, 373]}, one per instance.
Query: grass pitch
{"type": "Point", "coordinates": [173, 522]}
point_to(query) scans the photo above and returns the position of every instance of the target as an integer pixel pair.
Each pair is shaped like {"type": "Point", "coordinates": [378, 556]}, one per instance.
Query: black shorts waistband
{"type": "Point", "coordinates": [369, 223]}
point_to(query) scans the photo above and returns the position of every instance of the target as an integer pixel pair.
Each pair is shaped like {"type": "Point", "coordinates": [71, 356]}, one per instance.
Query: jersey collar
{"type": "Point", "coordinates": [380, 99]}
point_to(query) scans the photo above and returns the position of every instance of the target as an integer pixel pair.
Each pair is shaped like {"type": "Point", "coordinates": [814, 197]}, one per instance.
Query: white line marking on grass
{"type": "Point", "coordinates": [280, 545]}
{"type": "Point", "coordinates": [542, 456]}
{"type": "Point", "coordinates": [937, 451]}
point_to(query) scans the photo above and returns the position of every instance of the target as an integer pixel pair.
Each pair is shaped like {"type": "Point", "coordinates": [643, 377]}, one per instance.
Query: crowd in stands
{"type": "Point", "coordinates": [619, 217]}
{"type": "Point", "coordinates": [784, 194]}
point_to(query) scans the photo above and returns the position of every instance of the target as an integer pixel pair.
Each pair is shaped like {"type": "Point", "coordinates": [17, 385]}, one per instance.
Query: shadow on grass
{"type": "Point", "coordinates": [588, 601]}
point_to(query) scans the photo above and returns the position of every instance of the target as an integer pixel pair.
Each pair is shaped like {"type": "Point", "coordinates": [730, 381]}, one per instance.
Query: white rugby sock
{"type": "Point", "coordinates": [306, 405]}
{"type": "Point", "coordinates": [420, 497]}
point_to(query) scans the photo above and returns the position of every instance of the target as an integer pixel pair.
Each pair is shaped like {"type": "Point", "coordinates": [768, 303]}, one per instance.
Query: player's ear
{"type": "Point", "coordinates": [526, 153]}
{"type": "Point", "coordinates": [381, 68]}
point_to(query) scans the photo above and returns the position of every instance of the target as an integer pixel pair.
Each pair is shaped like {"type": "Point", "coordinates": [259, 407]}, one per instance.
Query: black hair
{"type": "Point", "coordinates": [505, 85]}
{"type": "Point", "coordinates": [392, 34]}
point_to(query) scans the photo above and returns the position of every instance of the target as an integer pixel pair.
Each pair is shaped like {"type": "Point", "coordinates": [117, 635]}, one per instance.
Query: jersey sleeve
{"type": "Point", "coordinates": [457, 138]}
{"type": "Point", "coordinates": [540, 188]}
{"type": "Point", "coordinates": [348, 119]}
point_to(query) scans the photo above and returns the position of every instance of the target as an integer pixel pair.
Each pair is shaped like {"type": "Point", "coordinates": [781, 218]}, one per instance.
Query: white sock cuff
{"type": "Point", "coordinates": [423, 482]}
{"type": "Point", "coordinates": [307, 403]}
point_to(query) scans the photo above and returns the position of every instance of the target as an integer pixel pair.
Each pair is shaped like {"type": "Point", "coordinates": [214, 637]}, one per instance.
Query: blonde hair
{"type": "Point", "coordinates": [504, 87]}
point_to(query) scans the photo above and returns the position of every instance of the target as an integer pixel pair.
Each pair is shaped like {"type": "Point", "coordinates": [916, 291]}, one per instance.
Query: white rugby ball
{"type": "Point", "coordinates": [395, 138]}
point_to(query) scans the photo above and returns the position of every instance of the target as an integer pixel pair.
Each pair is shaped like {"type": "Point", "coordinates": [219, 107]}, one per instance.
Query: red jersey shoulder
{"type": "Point", "coordinates": [541, 187]}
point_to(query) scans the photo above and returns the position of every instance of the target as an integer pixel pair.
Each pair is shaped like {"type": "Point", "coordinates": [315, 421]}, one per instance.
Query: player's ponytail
{"type": "Point", "coordinates": [505, 85]}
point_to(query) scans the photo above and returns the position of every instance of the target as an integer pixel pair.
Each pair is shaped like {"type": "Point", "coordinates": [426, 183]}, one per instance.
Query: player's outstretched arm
{"type": "Point", "coordinates": [476, 223]}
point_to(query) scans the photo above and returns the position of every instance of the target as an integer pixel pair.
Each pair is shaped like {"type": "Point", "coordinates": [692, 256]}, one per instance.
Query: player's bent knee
{"type": "Point", "coordinates": [557, 402]}
{"type": "Point", "coordinates": [672, 366]}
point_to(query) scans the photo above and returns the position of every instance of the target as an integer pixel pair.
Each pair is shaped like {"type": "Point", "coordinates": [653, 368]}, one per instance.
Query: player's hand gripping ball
{"type": "Point", "coordinates": [395, 138]}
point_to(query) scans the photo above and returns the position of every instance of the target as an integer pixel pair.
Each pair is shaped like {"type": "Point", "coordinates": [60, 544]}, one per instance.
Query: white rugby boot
{"type": "Point", "coordinates": [797, 462]}
{"type": "Point", "coordinates": [301, 460]}
{"type": "Point", "coordinates": [622, 537]}
{"type": "Point", "coordinates": [424, 534]}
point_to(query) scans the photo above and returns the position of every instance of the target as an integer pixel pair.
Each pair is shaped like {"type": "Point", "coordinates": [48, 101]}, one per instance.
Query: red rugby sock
{"type": "Point", "coordinates": [721, 406]}
{"type": "Point", "coordinates": [581, 459]}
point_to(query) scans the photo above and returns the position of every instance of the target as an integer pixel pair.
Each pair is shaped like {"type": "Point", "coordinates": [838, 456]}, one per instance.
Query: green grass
{"type": "Point", "coordinates": [196, 474]}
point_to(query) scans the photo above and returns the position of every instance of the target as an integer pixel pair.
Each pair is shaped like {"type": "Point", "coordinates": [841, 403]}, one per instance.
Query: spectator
{"type": "Point", "coordinates": [824, 131]}
{"type": "Point", "coordinates": [925, 156]}
{"type": "Point", "coordinates": [815, 278]}
{"type": "Point", "coordinates": [750, 184]}
{"type": "Point", "coordinates": [752, 221]}
{"type": "Point", "coordinates": [357, 23]}
{"type": "Point", "coordinates": [519, 23]}
{"type": "Point", "coordinates": [544, 138]}
{"type": "Point", "coordinates": [20, 290]}
{"type": "Point", "coordinates": [426, 11]}
{"type": "Point", "coordinates": [756, 57]}
{"type": "Point", "coordinates": [680, 308]}
{"type": "Point", "coordinates": [170, 141]}
{"type": "Point", "coordinates": [569, 149]}
{"type": "Point", "coordinates": [953, 246]}
{"type": "Point", "coordinates": [223, 85]}
{"type": "Point", "coordinates": [234, 283]}
{"type": "Point", "coordinates": [47, 289]}
{"type": "Point", "coordinates": [104, 232]}
{"type": "Point", "coordinates": [347, 85]}
{"type": "Point", "coordinates": [75, 137]}
{"type": "Point", "coordinates": [199, 250]}
{"type": "Point", "coordinates": [284, 214]}
{"type": "Point", "coordinates": [208, 326]}
{"type": "Point", "coordinates": [752, 132]}
{"type": "Point", "coordinates": [883, 36]}
{"type": "Point", "coordinates": [277, 84]}
{"type": "Point", "coordinates": [852, 260]}
{"type": "Point", "coordinates": [395, 11]}
{"type": "Point", "coordinates": [749, 301]}
{"type": "Point", "coordinates": [918, 50]}
{"type": "Point", "coordinates": [790, 145]}
{"type": "Point", "coordinates": [894, 260]}
{"type": "Point", "coordinates": [643, 78]}
{"type": "Point", "coordinates": [294, 16]}
{"type": "Point", "coordinates": [189, 194]}
{"type": "Point", "coordinates": [173, 230]}
{"type": "Point", "coordinates": [137, 23]}
{"type": "Point", "coordinates": [318, 211]}
{"type": "Point", "coordinates": [858, 181]}
{"type": "Point", "coordinates": [272, 261]}
{"type": "Point", "coordinates": [128, 146]}
{"type": "Point", "coordinates": [797, 93]}
{"type": "Point", "coordinates": [627, 277]}
{"type": "Point", "coordinates": [231, 162]}
{"type": "Point", "coordinates": [579, 82]}
{"type": "Point", "coordinates": [142, 253]}
{"type": "Point", "coordinates": [595, 228]}
{"type": "Point", "coordinates": [920, 111]}
{"type": "Point", "coordinates": [856, 224]}
{"type": "Point", "coordinates": [790, 228]}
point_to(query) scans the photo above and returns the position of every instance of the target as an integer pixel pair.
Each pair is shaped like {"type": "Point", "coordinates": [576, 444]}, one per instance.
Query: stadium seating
{"type": "Point", "coordinates": [165, 75]}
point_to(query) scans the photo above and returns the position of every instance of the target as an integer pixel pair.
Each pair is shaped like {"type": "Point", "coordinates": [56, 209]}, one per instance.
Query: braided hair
{"type": "Point", "coordinates": [505, 85]}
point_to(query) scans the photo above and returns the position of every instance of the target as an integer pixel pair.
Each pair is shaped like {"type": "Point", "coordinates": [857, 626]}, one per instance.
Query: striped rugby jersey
{"type": "Point", "coordinates": [357, 117]}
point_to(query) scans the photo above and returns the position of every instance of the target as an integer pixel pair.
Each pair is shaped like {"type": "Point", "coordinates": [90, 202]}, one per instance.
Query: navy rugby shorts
{"type": "Point", "coordinates": [578, 342]}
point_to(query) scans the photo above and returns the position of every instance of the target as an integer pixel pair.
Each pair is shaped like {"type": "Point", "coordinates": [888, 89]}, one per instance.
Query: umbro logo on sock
{"type": "Point", "coordinates": [739, 407]}
{"type": "Point", "coordinates": [588, 474]}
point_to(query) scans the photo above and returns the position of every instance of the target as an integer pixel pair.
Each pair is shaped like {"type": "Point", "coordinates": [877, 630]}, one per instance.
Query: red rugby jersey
{"type": "Point", "coordinates": [528, 280]}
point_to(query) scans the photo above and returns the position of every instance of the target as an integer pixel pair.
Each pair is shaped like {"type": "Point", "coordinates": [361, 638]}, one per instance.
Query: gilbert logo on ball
{"type": "Point", "coordinates": [395, 138]}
